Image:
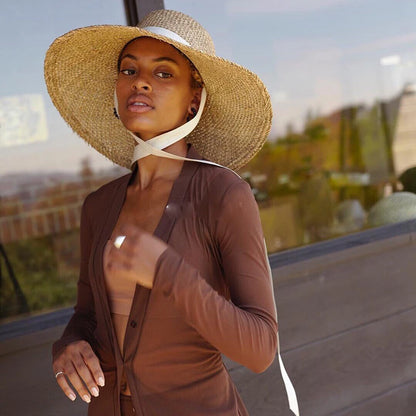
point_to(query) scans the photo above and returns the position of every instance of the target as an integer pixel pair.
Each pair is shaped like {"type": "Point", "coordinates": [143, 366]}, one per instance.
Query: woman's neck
{"type": "Point", "coordinates": [152, 168]}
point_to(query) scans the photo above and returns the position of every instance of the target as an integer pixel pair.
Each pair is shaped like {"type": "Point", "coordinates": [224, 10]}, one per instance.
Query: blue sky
{"type": "Point", "coordinates": [312, 55]}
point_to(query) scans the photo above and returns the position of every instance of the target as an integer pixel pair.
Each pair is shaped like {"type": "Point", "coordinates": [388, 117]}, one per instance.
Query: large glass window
{"type": "Point", "coordinates": [341, 155]}
{"type": "Point", "coordinates": [45, 170]}
{"type": "Point", "coordinates": [341, 74]}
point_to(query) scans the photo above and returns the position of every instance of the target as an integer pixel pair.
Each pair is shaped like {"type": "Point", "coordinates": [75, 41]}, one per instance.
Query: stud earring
{"type": "Point", "coordinates": [115, 113]}
{"type": "Point", "coordinates": [191, 116]}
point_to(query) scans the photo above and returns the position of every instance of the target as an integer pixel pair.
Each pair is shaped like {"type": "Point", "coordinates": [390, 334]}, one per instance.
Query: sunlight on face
{"type": "Point", "coordinates": [153, 87]}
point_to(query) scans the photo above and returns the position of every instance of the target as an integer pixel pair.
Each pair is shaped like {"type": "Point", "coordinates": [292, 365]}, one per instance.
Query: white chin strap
{"type": "Point", "coordinates": [156, 145]}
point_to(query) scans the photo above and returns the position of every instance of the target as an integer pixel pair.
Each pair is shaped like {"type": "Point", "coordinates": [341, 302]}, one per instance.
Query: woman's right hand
{"type": "Point", "coordinates": [78, 364]}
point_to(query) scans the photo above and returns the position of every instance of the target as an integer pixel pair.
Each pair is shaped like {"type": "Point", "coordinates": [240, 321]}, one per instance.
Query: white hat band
{"type": "Point", "coordinates": [166, 33]}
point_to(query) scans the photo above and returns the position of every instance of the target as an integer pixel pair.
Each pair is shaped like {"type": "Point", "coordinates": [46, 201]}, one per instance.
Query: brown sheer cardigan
{"type": "Point", "coordinates": [212, 294]}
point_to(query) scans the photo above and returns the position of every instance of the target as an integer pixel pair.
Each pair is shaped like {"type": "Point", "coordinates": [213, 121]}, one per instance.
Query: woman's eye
{"type": "Point", "coordinates": [127, 71]}
{"type": "Point", "coordinates": [162, 74]}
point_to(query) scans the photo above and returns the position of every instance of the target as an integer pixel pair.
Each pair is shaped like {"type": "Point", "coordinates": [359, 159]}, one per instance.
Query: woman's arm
{"type": "Point", "coordinates": [245, 328]}
{"type": "Point", "coordinates": [72, 353]}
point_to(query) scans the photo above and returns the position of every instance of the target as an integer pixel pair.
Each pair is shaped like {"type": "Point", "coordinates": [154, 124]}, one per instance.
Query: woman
{"type": "Point", "coordinates": [173, 266]}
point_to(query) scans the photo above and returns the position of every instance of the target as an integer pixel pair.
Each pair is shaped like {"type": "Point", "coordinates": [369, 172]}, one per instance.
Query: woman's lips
{"type": "Point", "coordinates": [139, 103]}
{"type": "Point", "coordinates": [139, 107]}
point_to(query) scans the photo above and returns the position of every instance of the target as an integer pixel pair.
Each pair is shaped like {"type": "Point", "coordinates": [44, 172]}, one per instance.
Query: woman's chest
{"type": "Point", "coordinates": [143, 209]}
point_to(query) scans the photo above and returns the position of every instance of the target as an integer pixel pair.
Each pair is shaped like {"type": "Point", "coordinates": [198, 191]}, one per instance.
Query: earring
{"type": "Point", "coordinates": [191, 116]}
{"type": "Point", "coordinates": [115, 113]}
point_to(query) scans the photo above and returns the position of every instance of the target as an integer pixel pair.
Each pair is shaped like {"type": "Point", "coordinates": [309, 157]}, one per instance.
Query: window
{"type": "Point", "coordinates": [341, 155]}
{"type": "Point", "coordinates": [45, 170]}
{"type": "Point", "coordinates": [341, 75]}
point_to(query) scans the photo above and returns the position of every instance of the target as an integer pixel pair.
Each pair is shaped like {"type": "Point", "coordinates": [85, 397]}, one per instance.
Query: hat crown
{"type": "Point", "coordinates": [183, 25]}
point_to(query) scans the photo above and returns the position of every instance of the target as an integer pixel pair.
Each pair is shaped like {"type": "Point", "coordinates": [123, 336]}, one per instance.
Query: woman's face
{"type": "Point", "coordinates": [154, 88]}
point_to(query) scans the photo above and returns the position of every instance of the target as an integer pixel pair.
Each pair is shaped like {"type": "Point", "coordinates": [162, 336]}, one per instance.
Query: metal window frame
{"type": "Point", "coordinates": [137, 9]}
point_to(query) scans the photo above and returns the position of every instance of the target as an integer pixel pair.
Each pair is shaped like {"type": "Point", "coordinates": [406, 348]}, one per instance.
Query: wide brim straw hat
{"type": "Point", "coordinates": [81, 73]}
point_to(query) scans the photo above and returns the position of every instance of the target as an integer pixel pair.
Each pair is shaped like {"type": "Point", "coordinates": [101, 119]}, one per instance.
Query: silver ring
{"type": "Point", "coordinates": [119, 241]}
{"type": "Point", "coordinates": [59, 373]}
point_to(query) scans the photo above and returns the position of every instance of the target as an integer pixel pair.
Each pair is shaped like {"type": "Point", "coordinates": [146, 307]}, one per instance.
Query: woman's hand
{"type": "Point", "coordinates": [136, 258]}
{"type": "Point", "coordinates": [78, 364]}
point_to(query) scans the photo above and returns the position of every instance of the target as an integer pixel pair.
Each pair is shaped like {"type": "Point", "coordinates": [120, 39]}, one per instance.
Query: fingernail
{"type": "Point", "coordinates": [86, 398]}
{"type": "Point", "coordinates": [95, 392]}
{"type": "Point", "coordinates": [101, 381]}
{"type": "Point", "coordinates": [72, 396]}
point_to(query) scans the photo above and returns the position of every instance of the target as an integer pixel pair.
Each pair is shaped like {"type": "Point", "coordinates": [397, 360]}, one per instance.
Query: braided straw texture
{"type": "Point", "coordinates": [81, 72]}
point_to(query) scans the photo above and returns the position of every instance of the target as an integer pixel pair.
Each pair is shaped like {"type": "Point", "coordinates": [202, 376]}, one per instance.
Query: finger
{"type": "Point", "coordinates": [108, 246]}
{"type": "Point", "coordinates": [63, 384]}
{"type": "Point", "coordinates": [125, 250]}
{"type": "Point", "coordinates": [120, 266]}
{"type": "Point", "coordinates": [92, 362]}
{"type": "Point", "coordinates": [89, 385]}
{"type": "Point", "coordinates": [74, 376]}
{"type": "Point", "coordinates": [125, 256]}
{"type": "Point", "coordinates": [108, 252]}
{"type": "Point", "coordinates": [119, 241]}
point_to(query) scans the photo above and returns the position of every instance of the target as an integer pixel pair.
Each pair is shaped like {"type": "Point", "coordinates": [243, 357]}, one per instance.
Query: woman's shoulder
{"type": "Point", "coordinates": [226, 200]}
{"type": "Point", "coordinates": [220, 183]}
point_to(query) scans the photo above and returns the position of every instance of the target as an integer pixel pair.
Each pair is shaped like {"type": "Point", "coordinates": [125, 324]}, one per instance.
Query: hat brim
{"type": "Point", "coordinates": [81, 72]}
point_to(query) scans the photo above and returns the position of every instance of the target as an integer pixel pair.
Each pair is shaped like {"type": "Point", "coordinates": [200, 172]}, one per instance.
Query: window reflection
{"type": "Point", "coordinates": [45, 170]}
{"type": "Point", "coordinates": [341, 156]}
{"type": "Point", "coordinates": [344, 98]}
{"type": "Point", "coordinates": [39, 221]}
{"type": "Point", "coordinates": [336, 168]}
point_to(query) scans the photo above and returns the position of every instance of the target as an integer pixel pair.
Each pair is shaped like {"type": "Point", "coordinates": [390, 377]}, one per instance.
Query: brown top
{"type": "Point", "coordinates": [212, 294]}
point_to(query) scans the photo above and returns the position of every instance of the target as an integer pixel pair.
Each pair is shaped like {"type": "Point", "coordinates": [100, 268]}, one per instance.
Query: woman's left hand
{"type": "Point", "coordinates": [136, 258]}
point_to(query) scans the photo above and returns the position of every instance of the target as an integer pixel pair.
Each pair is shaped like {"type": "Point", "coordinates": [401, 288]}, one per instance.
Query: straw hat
{"type": "Point", "coordinates": [81, 72]}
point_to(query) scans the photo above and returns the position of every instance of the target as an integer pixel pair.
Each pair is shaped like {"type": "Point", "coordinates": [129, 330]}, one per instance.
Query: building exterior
{"type": "Point", "coordinates": [344, 99]}
{"type": "Point", "coordinates": [404, 148]}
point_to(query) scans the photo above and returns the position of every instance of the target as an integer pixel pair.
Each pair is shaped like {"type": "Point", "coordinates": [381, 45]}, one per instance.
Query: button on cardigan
{"type": "Point", "coordinates": [212, 294]}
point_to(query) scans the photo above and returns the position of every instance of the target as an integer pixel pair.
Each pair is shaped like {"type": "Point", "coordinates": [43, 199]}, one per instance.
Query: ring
{"type": "Point", "coordinates": [119, 241]}
{"type": "Point", "coordinates": [59, 373]}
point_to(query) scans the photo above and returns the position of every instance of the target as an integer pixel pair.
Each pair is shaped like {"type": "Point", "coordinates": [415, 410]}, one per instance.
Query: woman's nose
{"type": "Point", "coordinates": [141, 84]}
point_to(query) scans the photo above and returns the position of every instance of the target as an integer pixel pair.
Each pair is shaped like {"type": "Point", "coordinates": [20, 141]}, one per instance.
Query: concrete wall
{"type": "Point", "coordinates": [348, 334]}
{"type": "Point", "coordinates": [348, 338]}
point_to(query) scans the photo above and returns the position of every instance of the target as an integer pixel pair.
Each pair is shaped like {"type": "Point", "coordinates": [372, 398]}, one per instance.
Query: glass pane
{"type": "Point", "coordinates": [341, 74]}
{"type": "Point", "coordinates": [45, 169]}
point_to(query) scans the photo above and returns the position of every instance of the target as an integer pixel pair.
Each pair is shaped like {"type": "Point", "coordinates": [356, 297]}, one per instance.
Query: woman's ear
{"type": "Point", "coordinates": [194, 104]}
